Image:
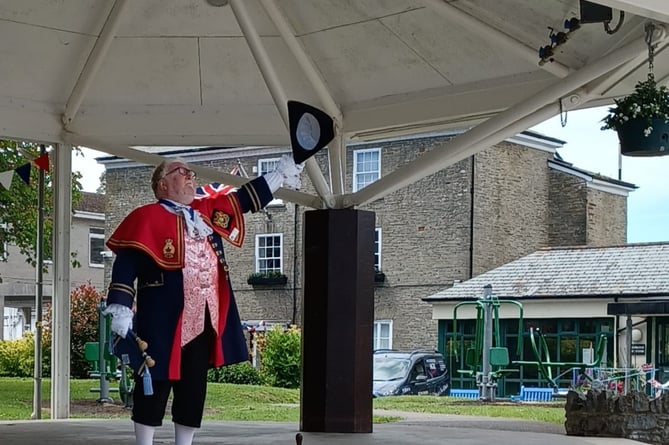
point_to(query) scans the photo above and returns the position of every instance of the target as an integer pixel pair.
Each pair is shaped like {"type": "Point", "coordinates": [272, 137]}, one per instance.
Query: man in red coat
{"type": "Point", "coordinates": [184, 306]}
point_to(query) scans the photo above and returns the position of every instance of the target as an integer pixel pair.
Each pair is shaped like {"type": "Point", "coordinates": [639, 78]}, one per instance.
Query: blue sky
{"type": "Point", "coordinates": [587, 147]}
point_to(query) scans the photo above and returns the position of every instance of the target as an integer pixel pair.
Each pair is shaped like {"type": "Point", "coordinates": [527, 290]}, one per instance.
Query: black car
{"type": "Point", "coordinates": [404, 373]}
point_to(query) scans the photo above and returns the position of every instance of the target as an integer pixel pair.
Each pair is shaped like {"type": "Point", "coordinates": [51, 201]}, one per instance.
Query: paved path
{"type": "Point", "coordinates": [415, 428]}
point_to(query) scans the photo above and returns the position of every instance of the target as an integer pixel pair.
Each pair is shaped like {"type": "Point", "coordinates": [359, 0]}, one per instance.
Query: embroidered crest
{"type": "Point", "coordinates": [168, 248]}
{"type": "Point", "coordinates": [221, 219]}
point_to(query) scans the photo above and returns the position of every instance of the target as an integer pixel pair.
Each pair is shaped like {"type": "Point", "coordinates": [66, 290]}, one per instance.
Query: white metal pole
{"type": "Point", "coordinates": [208, 173]}
{"type": "Point", "coordinates": [93, 63]}
{"type": "Point", "coordinates": [60, 343]}
{"type": "Point", "coordinates": [276, 90]}
{"type": "Point", "coordinates": [336, 148]}
{"type": "Point", "coordinates": [461, 146]}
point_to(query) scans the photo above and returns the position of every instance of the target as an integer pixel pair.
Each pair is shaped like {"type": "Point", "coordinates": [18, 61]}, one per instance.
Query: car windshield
{"type": "Point", "coordinates": [390, 368]}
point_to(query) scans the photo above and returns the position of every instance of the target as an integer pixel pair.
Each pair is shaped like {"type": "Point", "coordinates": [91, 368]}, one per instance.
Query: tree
{"type": "Point", "coordinates": [18, 205]}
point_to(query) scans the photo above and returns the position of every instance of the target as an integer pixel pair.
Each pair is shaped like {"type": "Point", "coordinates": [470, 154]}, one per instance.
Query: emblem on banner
{"type": "Point", "coordinates": [168, 248]}
{"type": "Point", "coordinates": [221, 219]}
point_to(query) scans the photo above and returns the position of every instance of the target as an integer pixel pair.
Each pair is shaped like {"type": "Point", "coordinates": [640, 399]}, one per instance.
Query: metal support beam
{"type": "Point", "coordinates": [276, 90]}
{"type": "Point", "coordinates": [60, 346]}
{"type": "Point", "coordinates": [208, 173]}
{"type": "Point", "coordinates": [494, 35]}
{"type": "Point", "coordinates": [462, 146]}
{"type": "Point", "coordinates": [93, 63]}
{"type": "Point", "coordinates": [337, 147]}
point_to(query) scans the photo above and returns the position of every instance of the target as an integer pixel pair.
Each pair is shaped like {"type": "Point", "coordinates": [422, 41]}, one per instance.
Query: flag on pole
{"type": "Point", "coordinates": [215, 189]}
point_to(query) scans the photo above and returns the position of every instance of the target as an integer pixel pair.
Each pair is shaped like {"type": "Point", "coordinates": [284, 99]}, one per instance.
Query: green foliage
{"type": "Point", "coordinates": [240, 374]}
{"type": "Point", "coordinates": [18, 205]}
{"type": "Point", "coordinates": [17, 356]}
{"type": "Point", "coordinates": [84, 302]}
{"type": "Point", "coordinates": [281, 357]}
{"type": "Point", "coordinates": [648, 101]}
{"type": "Point", "coordinates": [266, 274]}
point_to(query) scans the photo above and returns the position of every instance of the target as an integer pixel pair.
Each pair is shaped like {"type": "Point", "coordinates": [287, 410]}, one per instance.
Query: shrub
{"type": "Point", "coordinates": [239, 373]}
{"type": "Point", "coordinates": [17, 357]}
{"type": "Point", "coordinates": [84, 301]}
{"type": "Point", "coordinates": [281, 357]}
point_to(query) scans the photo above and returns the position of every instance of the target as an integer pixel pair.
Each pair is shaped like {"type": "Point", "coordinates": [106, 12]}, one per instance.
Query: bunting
{"type": "Point", "coordinates": [23, 171]}
{"type": "Point", "coordinates": [6, 179]}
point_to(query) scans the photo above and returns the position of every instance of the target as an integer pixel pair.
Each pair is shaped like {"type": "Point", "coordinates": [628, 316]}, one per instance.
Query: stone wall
{"type": "Point", "coordinates": [607, 219]}
{"type": "Point", "coordinates": [511, 204]}
{"type": "Point", "coordinates": [567, 213]}
{"type": "Point", "coordinates": [608, 414]}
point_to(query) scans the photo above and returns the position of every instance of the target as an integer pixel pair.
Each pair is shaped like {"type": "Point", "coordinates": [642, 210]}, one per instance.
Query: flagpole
{"type": "Point", "coordinates": [37, 383]}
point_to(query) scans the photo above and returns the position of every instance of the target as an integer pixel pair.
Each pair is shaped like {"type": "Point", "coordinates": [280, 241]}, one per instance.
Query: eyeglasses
{"type": "Point", "coordinates": [183, 171]}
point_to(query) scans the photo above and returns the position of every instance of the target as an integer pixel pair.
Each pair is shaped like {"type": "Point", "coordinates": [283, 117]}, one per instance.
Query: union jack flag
{"type": "Point", "coordinates": [215, 188]}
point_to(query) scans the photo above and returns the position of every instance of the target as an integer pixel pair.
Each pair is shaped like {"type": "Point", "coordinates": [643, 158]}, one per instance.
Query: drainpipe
{"type": "Point", "coordinates": [295, 216]}
{"type": "Point", "coordinates": [471, 221]}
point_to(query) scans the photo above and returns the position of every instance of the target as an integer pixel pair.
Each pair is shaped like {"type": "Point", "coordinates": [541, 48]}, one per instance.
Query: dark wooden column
{"type": "Point", "coordinates": [337, 321]}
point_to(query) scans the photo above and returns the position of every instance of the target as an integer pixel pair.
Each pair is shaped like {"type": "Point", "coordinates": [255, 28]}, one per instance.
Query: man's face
{"type": "Point", "coordinates": [178, 183]}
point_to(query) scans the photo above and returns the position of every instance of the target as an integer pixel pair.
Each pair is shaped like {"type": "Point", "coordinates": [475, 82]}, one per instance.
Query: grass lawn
{"type": "Point", "coordinates": [257, 403]}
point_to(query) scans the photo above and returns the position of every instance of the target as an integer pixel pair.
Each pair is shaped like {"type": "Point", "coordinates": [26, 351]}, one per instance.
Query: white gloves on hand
{"type": "Point", "coordinates": [121, 318]}
{"type": "Point", "coordinates": [286, 174]}
{"type": "Point", "coordinates": [290, 171]}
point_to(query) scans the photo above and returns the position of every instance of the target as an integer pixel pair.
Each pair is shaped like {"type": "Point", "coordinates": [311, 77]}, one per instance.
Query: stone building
{"type": "Point", "coordinates": [480, 213]}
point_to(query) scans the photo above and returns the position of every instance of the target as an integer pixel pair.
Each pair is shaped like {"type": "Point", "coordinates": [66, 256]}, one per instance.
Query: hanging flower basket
{"type": "Point", "coordinates": [639, 138]}
{"type": "Point", "coordinates": [267, 279]}
{"type": "Point", "coordinates": [642, 120]}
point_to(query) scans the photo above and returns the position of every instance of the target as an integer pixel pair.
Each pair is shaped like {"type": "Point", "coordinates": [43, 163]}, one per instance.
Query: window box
{"type": "Point", "coordinates": [264, 279]}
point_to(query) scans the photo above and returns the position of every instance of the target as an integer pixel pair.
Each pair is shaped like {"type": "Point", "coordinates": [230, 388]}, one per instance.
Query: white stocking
{"type": "Point", "coordinates": [144, 434]}
{"type": "Point", "coordinates": [183, 435]}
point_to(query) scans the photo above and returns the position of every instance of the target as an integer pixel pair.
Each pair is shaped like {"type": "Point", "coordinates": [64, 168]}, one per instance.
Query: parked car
{"type": "Point", "coordinates": [404, 373]}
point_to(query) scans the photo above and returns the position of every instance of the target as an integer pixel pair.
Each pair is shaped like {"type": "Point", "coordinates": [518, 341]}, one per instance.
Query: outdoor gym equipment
{"type": "Point", "coordinates": [105, 364]}
{"type": "Point", "coordinates": [487, 361]}
{"type": "Point", "coordinates": [545, 365]}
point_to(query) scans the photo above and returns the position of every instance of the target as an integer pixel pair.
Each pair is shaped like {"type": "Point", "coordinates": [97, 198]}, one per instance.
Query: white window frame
{"type": "Point", "coordinates": [377, 249]}
{"type": "Point", "coordinates": [262, 169]}
{"type": "Point", "coordinates": [92, 236]}
{"type": "Point", "coordinates": [376, 337]}
{"type": "Point", "coordinates": [257, 252]}
{"type": "Point", "coordinates": [356, 173]}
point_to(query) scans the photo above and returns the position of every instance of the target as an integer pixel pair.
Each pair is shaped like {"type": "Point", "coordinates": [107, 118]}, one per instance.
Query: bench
{"type": "Point", "coordinates": [532, 394]}
{"type": "Point", "coordinates": [465, 393]}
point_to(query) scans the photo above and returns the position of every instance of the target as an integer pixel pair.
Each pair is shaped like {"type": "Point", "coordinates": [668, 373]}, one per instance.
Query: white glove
{"type": "Point", "coordinates": [121, 318]}
{"type": "Point", "coordinates": [286, 174]}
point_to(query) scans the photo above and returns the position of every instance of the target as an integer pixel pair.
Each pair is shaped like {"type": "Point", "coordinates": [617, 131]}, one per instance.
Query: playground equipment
{"type": "Point", "coordinates": [105, 364]}
{"type": "Point", "coordinates": [545, 365]}
{"type": "Point", "coordinates": [487, 360]}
